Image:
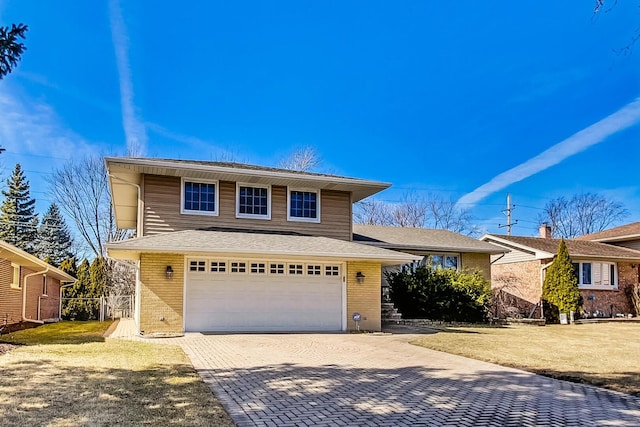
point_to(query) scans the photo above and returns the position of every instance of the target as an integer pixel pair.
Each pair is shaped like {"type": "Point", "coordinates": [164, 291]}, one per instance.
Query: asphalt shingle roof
{"type": "Point", "coordinates": [409, 238]}
{"type": "Point", "coordinates": [577, 248]}
{"type": "Point", "coordinates": [256, 243]}
{"type": "Point", "coordinates": [632, 229]}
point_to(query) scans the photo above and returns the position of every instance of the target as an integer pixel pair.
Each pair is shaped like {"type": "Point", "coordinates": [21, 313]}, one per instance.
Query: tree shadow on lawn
{"type": "Point", "coordinates": [44, 392]}
{"type": "Point", "coordinates": [338, 395]}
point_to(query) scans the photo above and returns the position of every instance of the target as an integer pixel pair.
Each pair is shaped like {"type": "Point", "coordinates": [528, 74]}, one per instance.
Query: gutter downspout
{"type": "Point", "coordinates": [499, 258]}
{"type": "Point", "coordinates": [542, 269]}
{"type": "Point", "coordinates": [24, 296]}
{"type": "Point", "coordinates": [60, 300]}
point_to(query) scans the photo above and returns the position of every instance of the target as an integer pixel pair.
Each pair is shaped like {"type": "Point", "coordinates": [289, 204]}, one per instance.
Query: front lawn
{"type": "Point", "coordinates": [67, 374]}
{"type": "Point", "coordinates": [605, 354]}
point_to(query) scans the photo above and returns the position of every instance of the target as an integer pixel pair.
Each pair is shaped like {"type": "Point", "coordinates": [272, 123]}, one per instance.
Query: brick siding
{"type": "Point", "coordinates": [364, 298]}
{"type": "Point", "coordinates": [161, 299]}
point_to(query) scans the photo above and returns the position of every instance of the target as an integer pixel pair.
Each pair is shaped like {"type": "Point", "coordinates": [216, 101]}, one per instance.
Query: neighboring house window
{"type": "Point", "coordinates": [303, 205]}
{"type": "Point", "coordinates": [199, 197]}
{"type": "Point", "coordinates": [253, 202]}
{"type": "Point", "coordinates": [44, 285]}
{"type": "Point", "coordinates": [15, 279]}
{"type": "Point", "coordinates": [444, 261]}
{"type": "Point", "coordinates": [596, 274]}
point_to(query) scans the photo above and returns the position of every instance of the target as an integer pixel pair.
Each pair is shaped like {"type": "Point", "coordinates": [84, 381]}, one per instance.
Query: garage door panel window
{"type": "Point", "coordinates": [238, 267]}
{"type": "Point", "coordinates": [276, 268]}
{"type": "Point", "coordinates": [314, 270]}
{"type": "Point", "coordinates": [296, 269]}
{"type": "Point", "coordinates": [258, 268]}
{"type": "Point", "coordinates": [331, 270]}
{"type": "Point", "coordinates": [198, 266]}
{"type": "Point", "coordinates": [218, 267]}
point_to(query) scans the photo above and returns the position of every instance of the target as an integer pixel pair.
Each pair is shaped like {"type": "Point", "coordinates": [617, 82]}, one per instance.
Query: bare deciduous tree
{"type": "Point", "coordinates": [584, 213]}
{"type": "Point", "coordinates": [413, 211]}
{"type": "Point", "coordinates": [303, 159]}
{"type": "Point", "coordinates": [81, 189]}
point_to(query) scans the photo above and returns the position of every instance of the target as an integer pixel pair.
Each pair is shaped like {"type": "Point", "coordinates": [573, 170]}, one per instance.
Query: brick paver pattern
{"type": "Point", "coordinates": [382, 380]}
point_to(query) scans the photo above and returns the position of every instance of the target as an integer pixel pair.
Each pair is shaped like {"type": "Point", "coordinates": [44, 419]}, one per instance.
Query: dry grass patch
{"type": "Point", "coordinates": [604, 355]}
{"type": "Point", "coordinates": [104, 383]}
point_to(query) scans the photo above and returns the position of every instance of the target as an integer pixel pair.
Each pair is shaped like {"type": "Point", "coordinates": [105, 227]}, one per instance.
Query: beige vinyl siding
{"type": "Point", "coordinates": [513, 256]}
{"type": "Point", "coordinates": [631, 244]}
{"type": "Point", "coordinates": [162, 211]}
{"type": "Point", "coordinates": [364, 298]}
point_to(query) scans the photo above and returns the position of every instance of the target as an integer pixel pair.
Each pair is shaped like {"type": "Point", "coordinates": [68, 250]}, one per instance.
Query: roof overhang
{"type": "Point", "coordinates": [507, 244]}
{"type": "Point", "coordinates": [250, 245]}
{"type": "Point", "coordinates": [20, 257]}
{"type": "Point", "coordinates": [126, 173]}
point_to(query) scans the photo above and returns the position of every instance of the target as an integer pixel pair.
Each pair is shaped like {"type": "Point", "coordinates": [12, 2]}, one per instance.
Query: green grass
{"type": "Point", "coordinates": [605, 355]}
{"type": "Point", "coordinates": [59, 333]}
{"type": "Point", "coordinates": [84, 379]}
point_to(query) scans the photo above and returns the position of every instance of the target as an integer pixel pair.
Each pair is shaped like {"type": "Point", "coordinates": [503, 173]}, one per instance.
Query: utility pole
{"type": "Point", "coordinates": [508, 212]}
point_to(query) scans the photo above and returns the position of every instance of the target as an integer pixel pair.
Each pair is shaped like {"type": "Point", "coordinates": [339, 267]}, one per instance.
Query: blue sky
{"type": "Point", "coordinates": [467, 100]}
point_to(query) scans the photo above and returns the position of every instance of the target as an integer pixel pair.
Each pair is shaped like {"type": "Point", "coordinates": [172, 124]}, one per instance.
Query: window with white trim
{"type": "Point", "coordinates": [198, 265]}
{"type": "Point", "coordinates": [199, 197]}
{"type": "Point", "coordinates": [296, 269]}
{"type": "Point", "coordinates": [218, 267]}
{"type": "Point", "coordinates": [257, 268]}
{"type": "Point", "coordinates": [596, 274]}
{"type": "Point", "coordinates": [276, 268]}
{"type": "Point", "coordinates": [15, 277]}
{"type": "Point", "coordinates": [303, 205]}
{"type": "Point", "coordinates": [238, 267]}
{"type": "Point", "coordinates": [314, 270]}
{"type": "Point", "coordinates": [444, 261]}
{"type": "Point", "coordinates": [253, 201]}
{"type": "Point", "coordinates": [331, 270]}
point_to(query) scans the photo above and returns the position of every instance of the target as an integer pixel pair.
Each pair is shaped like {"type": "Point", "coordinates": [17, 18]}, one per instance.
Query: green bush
{"type": "Point", "coordinates": [440, 294]}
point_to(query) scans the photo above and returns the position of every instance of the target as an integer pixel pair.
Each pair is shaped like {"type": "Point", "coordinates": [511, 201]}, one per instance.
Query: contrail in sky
{"type": "Point", "coordinates": [134, 130]}
{"type": "Point", "coordinates": [622, 119]}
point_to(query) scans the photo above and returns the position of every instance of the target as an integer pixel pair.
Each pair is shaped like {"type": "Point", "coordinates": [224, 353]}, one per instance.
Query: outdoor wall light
{"type": "Point", "coordinates": [169, 272]}
{"type": "Point", "coordinates": [360, 277]}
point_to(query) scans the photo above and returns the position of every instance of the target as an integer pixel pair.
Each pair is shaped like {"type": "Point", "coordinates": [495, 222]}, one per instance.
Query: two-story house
{"type": "Point", "coordinates": [235, 247]}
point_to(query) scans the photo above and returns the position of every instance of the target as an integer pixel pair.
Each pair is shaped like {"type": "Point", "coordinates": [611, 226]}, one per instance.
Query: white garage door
{"type": "Point", "coordinates": [239, 295]}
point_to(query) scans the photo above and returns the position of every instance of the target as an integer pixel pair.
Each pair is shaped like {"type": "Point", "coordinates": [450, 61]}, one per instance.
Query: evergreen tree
{"type": "Point", "coordinates": [54, 238]}
{"type": "Point", "coordinates": [99, 277]}
{"type": "Point", "coordinates": [560, 286]}
{"type": "Point", "coordinates": [18, 220]}
{"type": "Point", "coordinates": [79, 309]}
{"type": "Point", "coordinates": [69, 267]}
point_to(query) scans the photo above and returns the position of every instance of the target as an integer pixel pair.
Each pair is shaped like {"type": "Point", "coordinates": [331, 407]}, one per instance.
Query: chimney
{"type": "Point", "coordinates": [545, 231]}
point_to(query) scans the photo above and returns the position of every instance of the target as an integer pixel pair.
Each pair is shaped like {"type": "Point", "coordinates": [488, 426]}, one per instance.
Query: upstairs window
{"type": "Point", "coordinates": [199, 197]}
{"type": "Point", "coordinates": [303, 205]}
{"type": "Point", "coordinates": [253, 201]}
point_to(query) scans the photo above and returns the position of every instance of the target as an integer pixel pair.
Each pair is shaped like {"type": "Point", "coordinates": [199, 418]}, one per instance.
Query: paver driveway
{"type": "Point", "coordinates": [381, 380]}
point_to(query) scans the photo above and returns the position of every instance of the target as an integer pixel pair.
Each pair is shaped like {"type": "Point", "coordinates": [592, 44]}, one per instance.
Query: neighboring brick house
{"type": "Point", "coordinates": [29, 287]}
{"type": "Point", "coordinates": [234, 247]}
{"type": "Point", "coordinates": [442, 247]}
{"type": "Point", "coordinates": [604, 272]}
